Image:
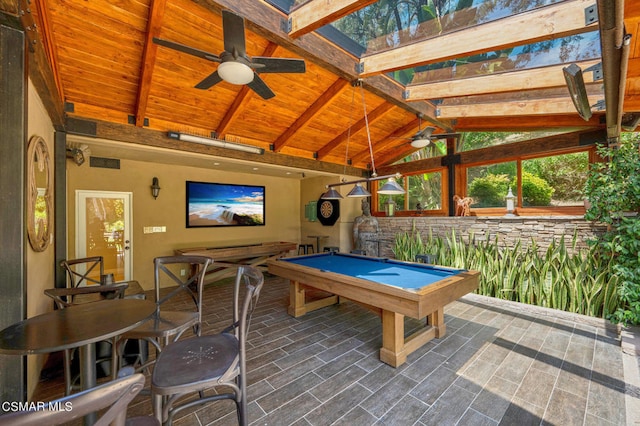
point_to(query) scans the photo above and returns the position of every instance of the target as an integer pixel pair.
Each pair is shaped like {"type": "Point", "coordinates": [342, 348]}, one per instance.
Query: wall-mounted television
{"type": "Point", "coordinates": [224, 204]}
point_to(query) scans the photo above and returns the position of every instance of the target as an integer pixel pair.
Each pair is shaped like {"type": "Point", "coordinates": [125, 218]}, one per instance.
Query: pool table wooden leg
{"type": "Point", "coordinates": [436, 320]}
{"type": "Point", "coordinates": [298, 304]}
{"type": "Point", "coordinates": [296, 299]}
{"type": "Point", "coordinates": [392, 351]}
{"type": "Point", "coordinates": [395, 348]}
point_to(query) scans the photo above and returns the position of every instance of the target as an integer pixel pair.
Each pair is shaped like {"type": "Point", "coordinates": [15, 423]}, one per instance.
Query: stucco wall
{"type": "Point", "coordinates": [40, 265]}
{"type": "Point", "coordinates": [282, 209]}
{"type": "Point", "coordinates": [543, 230]}
{"type": "Point", "coordinates": [338, 235]}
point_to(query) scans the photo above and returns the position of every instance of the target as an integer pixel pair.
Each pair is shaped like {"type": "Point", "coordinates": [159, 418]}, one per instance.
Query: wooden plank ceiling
{"type": "Point", "coordinates": [107, 69]}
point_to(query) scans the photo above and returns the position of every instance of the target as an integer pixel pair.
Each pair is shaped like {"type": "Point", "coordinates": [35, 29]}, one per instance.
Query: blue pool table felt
{"type": "Point", "coordinates": [380, 270]}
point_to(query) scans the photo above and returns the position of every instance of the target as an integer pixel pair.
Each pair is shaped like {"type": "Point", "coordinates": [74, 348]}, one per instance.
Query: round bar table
{"type": "Point", "coordinates": [76, 326]}
{"type": "Point", "coordinates": [317, 237]}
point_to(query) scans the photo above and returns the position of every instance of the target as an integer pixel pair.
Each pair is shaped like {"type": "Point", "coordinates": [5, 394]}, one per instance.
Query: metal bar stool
{"type": "Point", "coordinates": [305, 249]}
{"type": "Point", "coordinates": [426, 258]}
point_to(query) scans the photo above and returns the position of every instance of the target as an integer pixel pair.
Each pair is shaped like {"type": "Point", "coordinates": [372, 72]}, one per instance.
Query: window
{"type": "Point", "coordinates": [489, 185]}
{"type": "Point", "coordinates": [551, 181]}
{"type": "Point", "coordinates": [555, 181]}
{"type": "Point", "coordinates": [424, 189]}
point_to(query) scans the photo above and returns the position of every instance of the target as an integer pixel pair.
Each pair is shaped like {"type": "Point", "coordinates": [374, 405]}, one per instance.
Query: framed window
{"type": "Point", "coordinates": [425, 192]}
{"type": "Point", "coordinates": [556, 181]}
{"type": "Point", "coordinates": [542, 185]}
{"type": "Point", "coordinates": [488, 185]}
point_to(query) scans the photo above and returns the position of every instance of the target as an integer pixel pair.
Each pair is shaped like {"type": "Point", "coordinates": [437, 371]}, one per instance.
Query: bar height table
{"type": "Point", "coordinates": [317, 237]}
{"type": "Point", "coordinates": [76, 326]}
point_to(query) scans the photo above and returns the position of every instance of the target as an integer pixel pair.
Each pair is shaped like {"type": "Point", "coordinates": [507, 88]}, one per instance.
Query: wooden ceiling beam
{"type": "Point", "coordinates": [241, 100]}
{"type": "Point", "coordinates": [143, 136]}
{"type": "Point", "coordinates": [31, 18]}
{"type": "Point", "coordinates": [384, 142]}
{"type": "Point", "coordinates": [528, 123]}
{"type": "Point", "coordinates": [557, 20]}
{"type": "Point", "coordinates": [356, 127]}
{"type": "Point", "coordinates": [632, 103]}
{"type": "Point", "coordinates": [234, 111]}
{"type": "Point", "coordinates": [10, 7]}
{"type": "Point", "coordinates": [154, 24]}
{"type": "Point", "coordinates": [511, 81]}
{"type": "Point", "coordinates": [266, 21]}
{"type": "Point", "coordinates": [531, 148]}
{"type": "Point", "coordinates": [546, 107]}
{"type": "Point", "coordinates": [49, 43]}
{"type": "Point", "coordinates": [593, 89]}
{"type": "Point", "coordinates": [316, 108]}
{"type": "Point", "coordinates": [317, 13]}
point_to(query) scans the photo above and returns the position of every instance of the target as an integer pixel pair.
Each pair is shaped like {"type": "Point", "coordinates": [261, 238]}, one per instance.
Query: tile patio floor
{"type": "Point", "coordinates": [500, 363]}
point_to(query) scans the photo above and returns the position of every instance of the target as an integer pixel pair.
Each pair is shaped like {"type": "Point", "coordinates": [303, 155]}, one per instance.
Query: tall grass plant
{"type": "Point", "coordinates": [576, 280]}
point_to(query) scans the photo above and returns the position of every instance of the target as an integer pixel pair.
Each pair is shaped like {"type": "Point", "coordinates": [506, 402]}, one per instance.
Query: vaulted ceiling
{"type": "Point", "coordinates": [100, 74]}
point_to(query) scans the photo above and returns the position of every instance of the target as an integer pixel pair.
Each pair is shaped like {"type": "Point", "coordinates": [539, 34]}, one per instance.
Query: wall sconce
{"type": "Point", "coordinates": [155, 188]}
{"type": "Point", "coordinates": [511, 203]}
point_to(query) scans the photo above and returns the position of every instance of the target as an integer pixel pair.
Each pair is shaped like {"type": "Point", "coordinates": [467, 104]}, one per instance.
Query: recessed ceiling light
{"type": "Point", "coordinates": [255, 168]}
{"type": "Point", "coordinates": [288, 173]}
{"type": "Point", "coordinates": [216, 164]}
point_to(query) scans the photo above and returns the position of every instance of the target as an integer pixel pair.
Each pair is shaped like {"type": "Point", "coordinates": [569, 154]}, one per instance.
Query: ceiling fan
{"type": "Point", "coordinates": [235, 66]}
{"type": "Point", "coordinates": [423, 137]}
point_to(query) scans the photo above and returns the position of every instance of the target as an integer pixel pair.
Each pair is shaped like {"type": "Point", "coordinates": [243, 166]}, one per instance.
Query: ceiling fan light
{"type": "Point", "coordinates": [358, 192]}
{"type": "Point", "coordinates": [235, 72]}
{"type": "Point", "coordinates": [420, 143]}
{"type": "Point", "coordinates": [331, 194]}
{"type": "Point", "coordinates": [391, 187]}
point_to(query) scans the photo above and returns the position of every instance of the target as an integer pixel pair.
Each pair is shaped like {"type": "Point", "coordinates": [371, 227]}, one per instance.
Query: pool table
{"type": "Point", "coordinates": [391, 288]}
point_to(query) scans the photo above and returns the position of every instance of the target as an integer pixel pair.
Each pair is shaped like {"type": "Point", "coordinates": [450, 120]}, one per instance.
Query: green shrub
{"type": "Point", "coordinates": [535, 190]}
{"type": "Point", "coordinates": [613, 189]}
{"type": "Point", "coordinates": [490, 190]}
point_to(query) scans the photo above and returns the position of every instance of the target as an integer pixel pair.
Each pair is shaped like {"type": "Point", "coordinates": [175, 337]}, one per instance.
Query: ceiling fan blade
{"type": "Point", "coordinates": [444, 135]}
{"type": "Point", "coordinates": [186, 49]}
{"type": "Point", "coordinates": [210, 80]}
{"type": "Point", "coordinates": [260, 87]}
{"type": "Point", "coordinates": [424, 133]}
{"type": "Point", "coordinates": [278, 65]}
{"type": "Point", "coordinates": [233, 31]}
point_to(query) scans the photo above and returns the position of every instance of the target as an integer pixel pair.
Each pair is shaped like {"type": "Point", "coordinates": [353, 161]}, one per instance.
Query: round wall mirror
{"type": "Point", "coordinates": [39, 193]}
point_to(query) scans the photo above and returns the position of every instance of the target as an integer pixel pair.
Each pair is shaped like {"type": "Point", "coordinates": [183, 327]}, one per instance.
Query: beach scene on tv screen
{"type": "Point", "coordinates": [219, 205]}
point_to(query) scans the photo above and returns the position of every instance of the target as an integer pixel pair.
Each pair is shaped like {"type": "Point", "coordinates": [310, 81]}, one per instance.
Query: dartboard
{"type": "Point", "coordinates": [328, 211]}
{"type": "Point", "coordinates": [326, 208]}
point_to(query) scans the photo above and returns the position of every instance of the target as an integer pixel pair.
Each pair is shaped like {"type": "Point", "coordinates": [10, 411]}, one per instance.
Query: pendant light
{"type": "Point", "coordinates": [391, 187]}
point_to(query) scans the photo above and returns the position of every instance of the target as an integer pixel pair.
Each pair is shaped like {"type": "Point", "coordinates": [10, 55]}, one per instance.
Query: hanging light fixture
{"type": "Point", "coordinates": [391, 187]}
{"type": "Point", "coordinates": [331, 194]}
{"type": "Point", "coordinates": [358, 191]}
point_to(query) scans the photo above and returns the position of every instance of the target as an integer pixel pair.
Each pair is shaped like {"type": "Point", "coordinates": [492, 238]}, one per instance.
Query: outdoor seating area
{"type": "Point", "coordinates": [500, 363]}
{"type": "Point", "coordinates": [312, 212]}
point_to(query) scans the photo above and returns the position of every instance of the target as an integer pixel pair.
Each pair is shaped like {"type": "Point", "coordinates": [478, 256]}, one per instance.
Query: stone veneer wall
{"type": "Point", "coordinates": [542, 229]}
